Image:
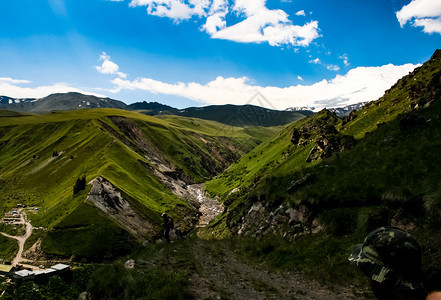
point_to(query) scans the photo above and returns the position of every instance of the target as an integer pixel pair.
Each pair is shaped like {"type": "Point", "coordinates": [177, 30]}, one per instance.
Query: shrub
{"type": "Point", "coordinates": [80, 185]}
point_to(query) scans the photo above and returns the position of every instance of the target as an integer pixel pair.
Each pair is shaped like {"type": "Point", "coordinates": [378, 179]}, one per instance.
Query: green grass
{"type": "Point", "coordinates": [391, 173]}
{"type": "Point", "coordinates": [276, 156]}
{"type": "Point", "coordinates": [8, 248]}
{"type": "Point", "coordinates": [320, 257]}
{"type": "Point", "coordinates": [10, 229]}
{"type": "Point", "coordinates": [386, 159]}
{"type": "Point", "coordinates": [115, 282]}
{"type": "Point", "coordinates": [36, 235]}
{"type": "Point", "coordinates": [240, 115]}
{"type": "Point", "coordinates": [87, 234]}
{"type": "Point", "coordinates": [124, 148]}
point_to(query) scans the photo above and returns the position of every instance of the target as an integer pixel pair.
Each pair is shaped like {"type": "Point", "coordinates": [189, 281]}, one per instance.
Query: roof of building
{"type": "Point", "coordinates": [5, 268]}
{"type": "Point", "coordinates": [24, 273]}
{"type": "Point", "coordinates": [60, 267]}
{"type": "Point", "coordinates": [38, 272]}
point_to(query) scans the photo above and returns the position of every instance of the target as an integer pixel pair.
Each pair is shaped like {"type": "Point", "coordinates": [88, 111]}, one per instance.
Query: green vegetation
{"type": "Point", "coordinates": [323, 257]}
{"type": "Point", "coordinates": [10, 229]}
{"type": "Point", "coordinates": [8, 248]}
{"type": "Point", "coordinates": [126, 148]}
{"type": "Point", "coordinates": [68, 287]}
{"type": "Point", "coordinates": [101, 238]}
{"type": "Point", "coordinates": [391, 163]}
{"type": "Point", "coordinates": [376, 167]}
{"type": "Point", "coordinates": [318, 185]}
{"type": "Point", "coordinates": [239, 115]}
{"type": "Point", "coordinates": [120, 283]}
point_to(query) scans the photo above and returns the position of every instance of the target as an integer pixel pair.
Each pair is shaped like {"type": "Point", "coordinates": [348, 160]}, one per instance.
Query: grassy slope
{"type": "Point", "coordinates": [240, 115]}
{"type": "Point", "coordinates": [274, 155]}
{"type": "Point", "coordinates": [86, 233]}
{"type": "Point", "coordinates": [392, 168]}
{"type": "Point", "coordinates": [279, 160]}
{"type": "Point", "coordinates": [31, 175]}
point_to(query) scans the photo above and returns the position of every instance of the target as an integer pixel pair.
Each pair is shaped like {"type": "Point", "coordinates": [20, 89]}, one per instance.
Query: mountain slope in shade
{"type": "Point", "coordinates": [241, 115]}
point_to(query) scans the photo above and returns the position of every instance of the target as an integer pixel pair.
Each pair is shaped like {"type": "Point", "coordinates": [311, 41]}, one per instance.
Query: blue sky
{"type": "Point", "coordinates": [199, 52]}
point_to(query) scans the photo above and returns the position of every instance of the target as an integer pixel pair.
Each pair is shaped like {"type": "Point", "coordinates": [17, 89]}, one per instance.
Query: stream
{"type": "Point", "coordinates": [209, 207]}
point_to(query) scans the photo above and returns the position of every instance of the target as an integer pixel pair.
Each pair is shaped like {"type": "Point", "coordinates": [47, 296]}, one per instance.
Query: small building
{"type": "Point", "coordinates": [61, 268]}
{"type": "Point", "coordinates": [40, 275]}
{"type": "Point", "coordinates": [50, 272]}
{"type": "Point", "coordinates": [5, 269]}
{"type": "Point", "coordinates": [23, 275]}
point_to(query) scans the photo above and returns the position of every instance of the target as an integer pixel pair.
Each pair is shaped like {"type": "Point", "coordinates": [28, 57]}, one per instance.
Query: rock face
{"type": "Point", "coordinates": [287, 223]}
{"type": "Point", "coordinates": [110, 200]}
{"type": "Point", "coordinates": [328, 144]}
{"type": "Point", "coordinates": [324, 135]}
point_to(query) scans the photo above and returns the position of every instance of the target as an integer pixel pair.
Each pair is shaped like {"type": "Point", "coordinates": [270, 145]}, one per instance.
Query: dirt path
{"type": "Point", "coordinates": [221, 275]}
{"type": "Point", "coordinates": [20, 239]}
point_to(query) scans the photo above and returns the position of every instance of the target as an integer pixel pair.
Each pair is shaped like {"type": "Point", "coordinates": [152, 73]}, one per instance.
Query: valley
{"type": "Point", "coordinates": [224, 211]}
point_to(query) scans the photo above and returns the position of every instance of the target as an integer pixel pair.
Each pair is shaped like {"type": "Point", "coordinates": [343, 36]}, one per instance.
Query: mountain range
{"type": "Point", "coordinates": [236, 115]}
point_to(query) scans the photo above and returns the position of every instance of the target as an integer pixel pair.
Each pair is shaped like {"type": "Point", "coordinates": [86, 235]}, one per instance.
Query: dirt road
{"type": "Point", "coordinates": [221, 275]}
{"type": "Point", "coordinates": [20, 239]}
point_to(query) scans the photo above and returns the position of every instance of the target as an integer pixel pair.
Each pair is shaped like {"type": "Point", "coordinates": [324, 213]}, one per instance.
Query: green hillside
{"type": "Point", "coordinates": [240, 115]}
{"type": "Point", "coordinates": [341, 177]}
{"type": "Point", "coordinates": [42, 156]}
{"type": "Point", "coordinates": [393, 130]}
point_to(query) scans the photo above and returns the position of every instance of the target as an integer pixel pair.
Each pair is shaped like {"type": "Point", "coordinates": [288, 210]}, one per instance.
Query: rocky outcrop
{"type": "Point", "coordinates": [109, 200]}
{"type": "Point", "coordinates": [287, 223]}
{"type": "Point", "coordinates": [322, 132]}
{"type": "Point", "coordinates": [327, 145]}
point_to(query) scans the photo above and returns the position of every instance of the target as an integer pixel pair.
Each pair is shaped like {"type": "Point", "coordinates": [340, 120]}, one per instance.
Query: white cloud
{"type": "Point", "coordinates": [315, 61]}
{"type": "Point", "coordinates": [177, 10]}
{"type": "Point", "coordinates": [214, 23]}
{"type": "Point", "coordinates": [264, 25]}
{"type": "Point", "coordinates": [358, 85]}
{"type": "Point", "coordinates": [300, 78]}
{"type": "Point", "coordinates": [430, 25]}
{"type": "Point", "coordinates": [333, 67]}
{"type": "Point", "coordinates": [422, 13]}
{"type": "Point", "coordinates": [12, 88]}
{"type": "Point", "coordinates": [108, 66]}
{"type": "Point", "coordinates": [12, 81]}
{"type": "Point", "coordinates": [300, 13]}
{"type": "Point", "coordinates": [257, 23]}
{"type": "Point", "coordinates": [345, 59]}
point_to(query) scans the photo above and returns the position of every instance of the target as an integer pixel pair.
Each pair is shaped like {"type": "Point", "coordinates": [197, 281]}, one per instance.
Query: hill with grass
{"type": "Point", "coordinates": [342, 177]}
{"type": "Point", "coordinates": [234, 115]}
{"type": "Point", "coordinates": [241, 115]}
{"type": "Point", "coordinates": [151, 108]}
{"type": "Point", "coordinates": [105, 176]}
{"type": "Point", "coordinates": [58, 102]}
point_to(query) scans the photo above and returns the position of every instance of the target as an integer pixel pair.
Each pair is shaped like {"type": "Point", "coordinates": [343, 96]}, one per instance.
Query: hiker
{"type": "Point", "coordinates": [391, 258]}
{"type": "Point", "coordinates": [168, 225]}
